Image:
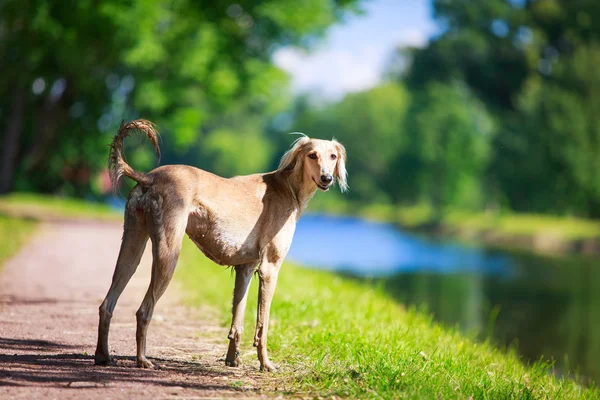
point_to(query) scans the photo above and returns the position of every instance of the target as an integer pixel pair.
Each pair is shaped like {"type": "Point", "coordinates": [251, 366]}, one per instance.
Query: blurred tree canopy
{"type": "Point", "coordinates": [451, 134]}
{"type": "Point", "coordinates": [533, 64]}
{"type": "Point", "coordinates": [498, 110]}
{"type": "Point", "coordinates": [73, 69]}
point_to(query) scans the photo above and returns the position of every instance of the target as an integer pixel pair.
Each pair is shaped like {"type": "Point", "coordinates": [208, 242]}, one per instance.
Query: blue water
{"type": "Point", "coordinates": [374, 249]}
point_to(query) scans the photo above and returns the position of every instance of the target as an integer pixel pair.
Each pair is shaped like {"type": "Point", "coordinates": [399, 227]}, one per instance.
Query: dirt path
{"type": "Point", "coordinates": [49, 298]}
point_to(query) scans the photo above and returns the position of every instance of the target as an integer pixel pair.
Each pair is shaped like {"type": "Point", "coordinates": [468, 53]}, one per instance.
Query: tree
{"type": "Point", "coordinates": [450, 133]}
{"type": "Point", "coordinates": [532, 63]}
{"type": "Point", "coordinates": [73, 70]}
{"type": "Point", "coordinates": [560, 138]}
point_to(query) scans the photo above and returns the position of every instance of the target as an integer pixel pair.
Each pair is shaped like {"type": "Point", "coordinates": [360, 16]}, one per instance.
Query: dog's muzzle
{"type": "Point", "coordinates": [325, 182]}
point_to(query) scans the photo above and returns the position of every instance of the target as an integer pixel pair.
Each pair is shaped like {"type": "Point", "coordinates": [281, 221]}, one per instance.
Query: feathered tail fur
{"type": "Point", "coordinates": [116, 163]}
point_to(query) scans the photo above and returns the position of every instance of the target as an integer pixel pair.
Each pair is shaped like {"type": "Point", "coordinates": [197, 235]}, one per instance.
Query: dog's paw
{"type": "Point", "coordinates": [233, 363]}
{"type": "Point", "coordinates": [268, 366]}
{"type": "Point", "coordinates": [145, 363]}
{"type": "Point", "coordinates": [233, 357]}
{"type": "Point", "coordinates": [103, 359]}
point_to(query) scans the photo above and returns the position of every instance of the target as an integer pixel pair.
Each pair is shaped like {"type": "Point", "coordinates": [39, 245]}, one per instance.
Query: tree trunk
{"type": "Point", "coordinates": [10, 145]}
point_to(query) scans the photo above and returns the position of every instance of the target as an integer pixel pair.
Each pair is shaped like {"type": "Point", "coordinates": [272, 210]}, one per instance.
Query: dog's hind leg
{"type": "Point", "coordinates": [243, 277]}
{"type": "Point", "coordinates": [166, 233]}
{"type": "Point", "coordinates": [135, 237]}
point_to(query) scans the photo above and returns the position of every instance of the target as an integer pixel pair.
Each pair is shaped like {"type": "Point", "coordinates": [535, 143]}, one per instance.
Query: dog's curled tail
{"type": "Point", "coordinates": [117, 166]}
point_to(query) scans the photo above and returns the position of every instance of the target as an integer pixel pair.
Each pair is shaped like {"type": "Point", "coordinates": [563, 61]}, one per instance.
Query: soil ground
{"type": "Point", "coordinates": [49, 298]}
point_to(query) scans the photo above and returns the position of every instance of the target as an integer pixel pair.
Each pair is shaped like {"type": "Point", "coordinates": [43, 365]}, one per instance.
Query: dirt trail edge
{"type": "Point", "coordinates": [49, 298]}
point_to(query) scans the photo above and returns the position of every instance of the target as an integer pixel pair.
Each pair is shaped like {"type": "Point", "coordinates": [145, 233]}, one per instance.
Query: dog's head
{"type": "Point", "coordinates": [322, 162]}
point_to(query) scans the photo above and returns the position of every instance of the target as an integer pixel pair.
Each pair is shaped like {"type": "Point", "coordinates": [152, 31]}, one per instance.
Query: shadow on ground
{"type": "Point", "coordinates": [78, 370]}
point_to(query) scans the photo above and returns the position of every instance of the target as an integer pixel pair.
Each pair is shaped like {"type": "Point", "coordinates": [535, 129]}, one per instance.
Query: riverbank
{"type": "Point", "coordinates": [543, 234]}
{"type": "Point", "coordinates": [332, 336]}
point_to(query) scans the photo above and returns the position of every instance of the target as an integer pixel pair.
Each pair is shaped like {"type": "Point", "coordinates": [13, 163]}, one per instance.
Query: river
{"type": "Point", "coordinates": [543, 306]}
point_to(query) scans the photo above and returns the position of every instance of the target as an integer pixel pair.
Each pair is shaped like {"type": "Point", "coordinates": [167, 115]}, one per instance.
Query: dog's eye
{"type": "Point", "coordinates": [312, 156]}
{"type": "Point", "coordinates": [333, 156]}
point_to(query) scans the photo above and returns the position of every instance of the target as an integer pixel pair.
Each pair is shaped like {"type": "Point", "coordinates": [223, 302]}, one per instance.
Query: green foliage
{"type": "Point", "coordinates": [74, 71]}
{"type": "Point", "coordinates": [334, 336]}
{"type": "Point", "coordinates": [451, 140]}
{"type": "Point", "coordinates": [497, 111]}
{"type": "Point", "coordinates": [234, 153]}
{"type": "Point", "coordinates": [559, 116]}
{"type": "Point", "coordinates": [532, 64]}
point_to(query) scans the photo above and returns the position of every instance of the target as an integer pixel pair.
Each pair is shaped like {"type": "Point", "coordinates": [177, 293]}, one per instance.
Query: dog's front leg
{"type": "Point", "coordinates": [243, 277]}
{"type": "Point", "coordinates": [267, 273]}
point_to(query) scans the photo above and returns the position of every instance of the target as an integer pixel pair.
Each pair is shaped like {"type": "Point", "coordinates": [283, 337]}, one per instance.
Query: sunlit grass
{"type": "Point", "coordinates": [39, 206]}
{"type": "Point", "coordinates": [14, 232]}
{"type": "Point", "coordinates": [335, 336]}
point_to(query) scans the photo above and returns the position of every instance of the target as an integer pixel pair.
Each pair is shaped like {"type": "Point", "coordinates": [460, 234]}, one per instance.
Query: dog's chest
{"type": "Point", "coordinates": [224, 241]}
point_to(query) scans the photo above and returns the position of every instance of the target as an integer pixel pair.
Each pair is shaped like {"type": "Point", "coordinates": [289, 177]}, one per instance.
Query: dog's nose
{"type": "Point", "coordinates": [327, 178]}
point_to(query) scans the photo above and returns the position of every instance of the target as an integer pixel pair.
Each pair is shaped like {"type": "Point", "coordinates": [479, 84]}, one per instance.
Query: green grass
{"type": "Point", "coordinates": [41, 206]}
{"type": "Point", "coordinates": [14, 232]}
{"type": "Point", "coordinates": [338, 337]}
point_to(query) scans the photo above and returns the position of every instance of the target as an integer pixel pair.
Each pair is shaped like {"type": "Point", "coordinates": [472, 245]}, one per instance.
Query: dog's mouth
{"type": "Point", "coordinates": [320, 186]}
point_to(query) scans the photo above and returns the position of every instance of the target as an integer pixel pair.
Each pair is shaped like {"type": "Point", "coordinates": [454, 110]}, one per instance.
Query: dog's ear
{"type": "Point", "coordinates": [290, 159]}
{"type": "Point", "coordinates": [340, 168]}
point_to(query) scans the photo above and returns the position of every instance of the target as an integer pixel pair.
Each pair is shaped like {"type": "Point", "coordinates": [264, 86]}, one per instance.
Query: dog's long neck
{"type": "Point", "coordinates": [301, 190]}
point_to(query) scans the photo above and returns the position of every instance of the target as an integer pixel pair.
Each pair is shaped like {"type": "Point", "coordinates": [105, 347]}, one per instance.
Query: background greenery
{"type": "Point", "coordinates": [497, 112]}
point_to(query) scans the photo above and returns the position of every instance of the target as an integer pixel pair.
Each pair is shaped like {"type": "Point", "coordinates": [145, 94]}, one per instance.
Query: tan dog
{"type": "Point", "coordinates": [247, 222]}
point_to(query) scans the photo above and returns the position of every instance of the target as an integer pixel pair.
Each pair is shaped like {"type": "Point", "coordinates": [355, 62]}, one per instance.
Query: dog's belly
{"type": "Point", "coordinates": [222, 242]}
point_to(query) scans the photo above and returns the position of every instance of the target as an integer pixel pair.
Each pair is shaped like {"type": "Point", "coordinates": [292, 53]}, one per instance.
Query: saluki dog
{"type": "Point", "coordinates": [246, 222]}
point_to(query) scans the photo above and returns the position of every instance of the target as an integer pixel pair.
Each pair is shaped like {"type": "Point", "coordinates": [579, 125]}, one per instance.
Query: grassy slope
{"type": "Point", "coordinates": [334, 336]}
{"type": "Point", "coordinates": [13, 234]}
